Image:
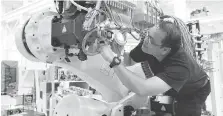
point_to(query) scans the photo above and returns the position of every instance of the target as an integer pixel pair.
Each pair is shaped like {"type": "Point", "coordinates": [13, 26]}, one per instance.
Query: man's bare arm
{"type": "Point", "coordinates": [141, 86]}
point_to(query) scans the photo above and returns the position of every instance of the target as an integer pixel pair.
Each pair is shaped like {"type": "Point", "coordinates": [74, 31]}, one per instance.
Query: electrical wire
{"type": "Point", "coordinates": [84, 41]}
{"type": "Point", "coordinates": [109, 13]}
{"type": "Point", "coordinates": [112, 16]}
{"type": "Point", "coordinates": [120, 27]}
{"type": "Point", "coordinates": [107, 8]}
{"type": "Point", "coordinates": [187, 42]}
{"type": "Point", "coordinates": [55, 3]}
{"type": "Point", "coordinates": [78, 6]}
{"type": "Point", "coordinates": [119, 18]}
{"type": "Point", "coordinates": [101, 11]}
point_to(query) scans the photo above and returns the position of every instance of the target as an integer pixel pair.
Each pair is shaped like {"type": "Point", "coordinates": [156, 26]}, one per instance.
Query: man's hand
{"type": "Point", "coordinates": [107, 53]}
{"type": "Point", "coordinates": [117, 49]}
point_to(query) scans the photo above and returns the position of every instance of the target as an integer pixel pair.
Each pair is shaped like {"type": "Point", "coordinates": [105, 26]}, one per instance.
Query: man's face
{"type": "Point", "coordinates": [152, 44]}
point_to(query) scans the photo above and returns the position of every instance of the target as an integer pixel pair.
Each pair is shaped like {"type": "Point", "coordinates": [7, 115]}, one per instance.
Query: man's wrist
{"type": "Point", "coordinates": [122, 62]}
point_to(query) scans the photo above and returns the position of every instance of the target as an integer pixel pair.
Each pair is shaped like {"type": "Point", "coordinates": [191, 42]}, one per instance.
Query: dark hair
{"type": "Point", "coordinates": [173, 34]}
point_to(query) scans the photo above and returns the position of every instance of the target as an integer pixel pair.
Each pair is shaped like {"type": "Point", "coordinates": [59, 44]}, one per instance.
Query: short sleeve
{"type": "Point", "coordinates": [175, 76]}
{"type": "Point", "coordinates": [137, 54]}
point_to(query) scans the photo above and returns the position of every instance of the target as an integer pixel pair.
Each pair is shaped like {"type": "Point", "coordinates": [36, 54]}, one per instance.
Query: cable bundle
{"type": "Point", "coordinates": [187, 42]}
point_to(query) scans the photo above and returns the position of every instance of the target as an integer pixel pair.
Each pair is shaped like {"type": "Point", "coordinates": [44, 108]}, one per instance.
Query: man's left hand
{"type": "Point", "coordinates": [107, 53]}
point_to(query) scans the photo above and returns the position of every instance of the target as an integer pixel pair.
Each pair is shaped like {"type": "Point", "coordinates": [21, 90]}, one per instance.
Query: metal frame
{"type": "Point", "coordinates": [208, 19]}
{"type": "Point", "coordinates": [215, 54]}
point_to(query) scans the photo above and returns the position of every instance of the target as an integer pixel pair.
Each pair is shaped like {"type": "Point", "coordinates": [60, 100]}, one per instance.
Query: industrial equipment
{"type": "Point", "coordinates": [71, 38]}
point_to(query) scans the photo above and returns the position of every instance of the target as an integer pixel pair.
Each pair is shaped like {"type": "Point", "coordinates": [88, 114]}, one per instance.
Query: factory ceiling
{"type": "Point", "coordinates": [211, 6]}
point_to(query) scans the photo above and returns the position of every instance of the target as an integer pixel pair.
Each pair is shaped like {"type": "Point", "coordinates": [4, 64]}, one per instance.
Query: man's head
{"type": "Point", "coordinates": [162, 39]}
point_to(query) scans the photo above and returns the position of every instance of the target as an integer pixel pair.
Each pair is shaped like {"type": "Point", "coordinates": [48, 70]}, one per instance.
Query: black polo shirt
{"type": "Point", "coordinates": [178, 69]}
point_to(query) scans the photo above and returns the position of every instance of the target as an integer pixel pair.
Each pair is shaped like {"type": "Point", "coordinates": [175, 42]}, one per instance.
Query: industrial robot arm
{"type": "Point", "coordinates": [79, 27]}
{"type": "Point", "coordinates": [73, 34]}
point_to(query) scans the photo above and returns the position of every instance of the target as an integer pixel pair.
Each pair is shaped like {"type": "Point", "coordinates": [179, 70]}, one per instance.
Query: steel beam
{"type": "Point", "coordinates": [208, 19]}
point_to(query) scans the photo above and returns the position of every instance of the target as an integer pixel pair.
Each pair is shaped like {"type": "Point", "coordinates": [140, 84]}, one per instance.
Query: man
{"type": "Point", "coordinates": [172, 67]}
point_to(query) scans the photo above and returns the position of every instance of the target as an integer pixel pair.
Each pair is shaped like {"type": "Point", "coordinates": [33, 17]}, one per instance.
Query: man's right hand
{"type": "Point", "coordinates": [117, 49]}
{"type": "Point", "coordinates": [107, 53]}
